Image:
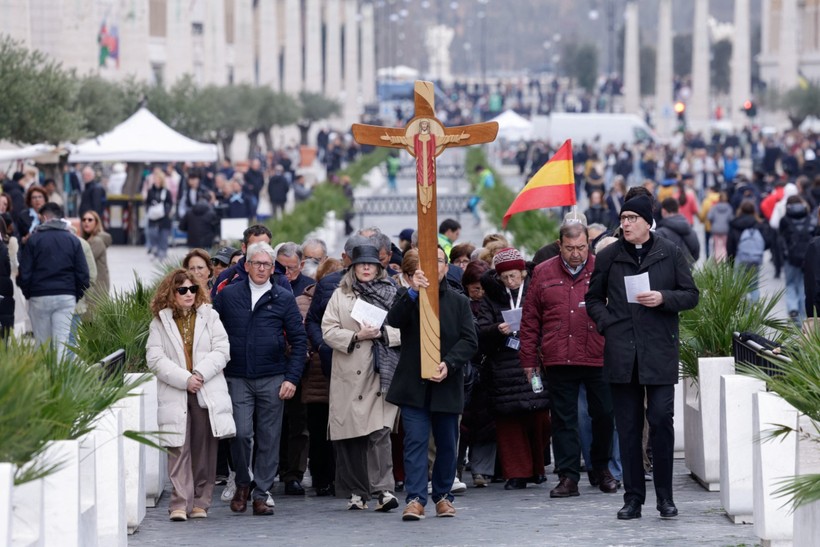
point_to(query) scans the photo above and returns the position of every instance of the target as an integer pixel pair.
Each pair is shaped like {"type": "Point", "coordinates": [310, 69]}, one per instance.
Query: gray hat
{"type": "Point", "coordinates": [366, 254]}
{"type": "Point", "coordinates": [224, 255]}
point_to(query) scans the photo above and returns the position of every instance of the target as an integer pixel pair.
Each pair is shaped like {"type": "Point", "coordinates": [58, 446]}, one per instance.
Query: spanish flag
{"type": "Point", "coordinates": [552, 186]}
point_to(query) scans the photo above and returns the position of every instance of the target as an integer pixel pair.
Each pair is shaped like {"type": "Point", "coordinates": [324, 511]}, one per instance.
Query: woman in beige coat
{"type": "Point", "coordinates": [188, 349]}
{"type": "Point", "coordinates": [360, 420]}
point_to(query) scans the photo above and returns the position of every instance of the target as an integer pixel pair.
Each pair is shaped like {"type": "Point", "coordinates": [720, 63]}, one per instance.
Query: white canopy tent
{"type": "Point", "coordinates": [40, 153]}
{"type": "Point", "coordinates": [143, 138]}
{"type": "Point", "coordinates": [512, 126]}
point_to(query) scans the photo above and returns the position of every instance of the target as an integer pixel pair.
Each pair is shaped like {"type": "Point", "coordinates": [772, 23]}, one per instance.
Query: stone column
{"type": "Point", "coordinates": [664, 92]}
{"type": "Point", "coordinates": [698, 110]}
{"type": "Point", "coordinates": [213, 38]}
{"type": "Point", "coordinates": [268, 46]}
{"type": "Point", "coordinates": [351, 62]}
{"type": "Point", "coordinates": [741, 89]}
{"type": "Point", "coordinates": [632, 61]}
{"type": "Point", "coordinates": [243, 72]}
{"type": "Point", "coordinates": [333, 49]}
{"type": "Point", "coordinates": [293, 47]}
{"type": "Point", "coordinates": [134, 52]}
{"type": "Point", "coordinates": [787, 56]}
{"type": "Point", "coordinates": [313, 46]}
{"type": "Point", "coordinates": [178, 42]}
{"type": "Point", "coordinates": [368, 54]}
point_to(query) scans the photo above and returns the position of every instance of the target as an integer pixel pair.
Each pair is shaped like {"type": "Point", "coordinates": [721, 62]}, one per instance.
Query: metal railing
{"type": "Point", "coordinates": [446, 204]}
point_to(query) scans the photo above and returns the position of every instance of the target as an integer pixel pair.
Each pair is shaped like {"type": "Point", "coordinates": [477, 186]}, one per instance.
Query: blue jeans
{"type": "Point", "coordinates": [158, 241]}
{"type": "Point", "coordinates": [51, 318]}
{"type": "Point", "coordinates": [795, 291]}
{"type": "Point", "coordinates": [585, 433]}
{"type": "Point", "coordinates": [417, 424]}
{"type": "Point", "coordinates": [262, 395]}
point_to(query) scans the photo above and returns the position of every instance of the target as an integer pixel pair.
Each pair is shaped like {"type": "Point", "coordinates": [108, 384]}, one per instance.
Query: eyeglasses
{"type": "Point", "coordinates": [190, 289]}
{"type": "Point", "coordinates": [88, 219]}
{"type": "Point", "coordinates": [629, 219]}
{"type": "Point", "coordinates": [260, 265]}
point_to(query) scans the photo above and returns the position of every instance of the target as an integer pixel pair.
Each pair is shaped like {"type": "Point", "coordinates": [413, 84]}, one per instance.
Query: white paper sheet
{"type": "Point", "coordinates": [512, 318]}
{"type": "Point", "coordinates": [636, 284]}
{"type": "Point", "coordinates": [368, 314]}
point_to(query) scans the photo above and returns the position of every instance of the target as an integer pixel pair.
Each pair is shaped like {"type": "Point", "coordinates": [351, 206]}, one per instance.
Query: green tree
{"type": "Point", "coordinates": [38, 96]}
{"type": "Point", "coordinates": [721, 70]}
{"type": "Point", "coordinates": [800, 103]}
{"type": "Point", "coordinates": [648, 67]}
{"type": "Point", "coordinates": [315, 107]}
{"type": "Point", "coordinates": [580, 63]}
{"type": "Point", "coordinates": [273, 109]}
{"type": "Point", "coordinates": [101, 103]}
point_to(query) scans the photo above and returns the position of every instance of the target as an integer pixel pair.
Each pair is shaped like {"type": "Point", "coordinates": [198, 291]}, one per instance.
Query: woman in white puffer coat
{"type": "Point", "coordinates": [187, 350]}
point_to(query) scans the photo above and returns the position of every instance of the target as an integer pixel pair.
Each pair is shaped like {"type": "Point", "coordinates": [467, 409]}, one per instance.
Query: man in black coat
{"type": "Point", "coordinates": [278, 188]}
{"type": "Point", "coordinates": [93, 197]}
{"type": "Point", "coordinates": [434, 404]}
{"type": "Point", "coordinates": [674, 227]}
{"type": "Point", "coordinates": [641, 346]}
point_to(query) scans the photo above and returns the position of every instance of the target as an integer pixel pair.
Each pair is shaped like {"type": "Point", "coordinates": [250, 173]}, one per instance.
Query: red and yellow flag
{"type": "Point", "coordinates": [552, 186]}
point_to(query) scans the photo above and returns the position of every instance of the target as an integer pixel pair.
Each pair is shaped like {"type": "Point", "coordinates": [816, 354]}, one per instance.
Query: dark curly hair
{"type": "Point", "coordinates": [165, 296]}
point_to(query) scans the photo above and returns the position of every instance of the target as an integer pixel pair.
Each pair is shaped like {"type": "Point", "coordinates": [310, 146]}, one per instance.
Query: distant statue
{"type": "Point", "coordinates": [438, 43]}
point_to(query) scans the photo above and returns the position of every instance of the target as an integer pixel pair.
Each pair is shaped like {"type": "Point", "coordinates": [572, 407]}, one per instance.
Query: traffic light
{"type": "Point", "coordinates": [750, 108]}
{"type": "Point", "coordinates": [680, 109]}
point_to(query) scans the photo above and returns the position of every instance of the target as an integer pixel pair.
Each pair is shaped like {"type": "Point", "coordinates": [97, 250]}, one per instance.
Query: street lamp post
{"type": "Point", "coordinates": [610, 14]}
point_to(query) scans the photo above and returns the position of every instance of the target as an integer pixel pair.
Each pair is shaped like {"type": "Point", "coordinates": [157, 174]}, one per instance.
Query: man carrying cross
{"type": "Point", "coordinates": [434, 346]}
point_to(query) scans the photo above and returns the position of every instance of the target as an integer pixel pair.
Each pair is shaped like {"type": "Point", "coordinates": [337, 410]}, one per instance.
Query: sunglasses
{"type": "Point", "coordinates": [88, 220]}
{"type": "Point", "coordinates": [192, 289]}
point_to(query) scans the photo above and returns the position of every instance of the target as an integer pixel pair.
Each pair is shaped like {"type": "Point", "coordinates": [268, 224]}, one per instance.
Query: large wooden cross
{"type": "Point", "coordinates": [425, 137]}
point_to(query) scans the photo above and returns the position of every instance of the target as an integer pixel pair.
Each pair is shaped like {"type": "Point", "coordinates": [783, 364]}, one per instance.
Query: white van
{"type": "Point", "coordinates": [593, 127]}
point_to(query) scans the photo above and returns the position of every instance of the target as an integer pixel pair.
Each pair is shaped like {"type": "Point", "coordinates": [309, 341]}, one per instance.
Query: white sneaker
{"type": "Point", "coordinates": [269, 502]}
{"type": "Point", "coordinates": [356, 503]}
{"type": "Point", "coordinates": [387, 502]}
{"type": "Point", "coordinates": [429, 487]}
{"type": "Point", "coordinates": [230, 488]}
{"type": "Point", "coordinates": [458, 487]}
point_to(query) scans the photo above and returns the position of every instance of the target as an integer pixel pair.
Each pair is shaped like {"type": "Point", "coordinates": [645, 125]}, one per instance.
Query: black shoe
{"type": "Point", "coordinates": [515, 484]}
{"type": "Point", "coordinates": [399, 486]}
{"type": "Point", "coordinates": [294, 488]}
{"type": "Point", "coordinates": [593, 478]}
{"type": "Point", "coordinates": [324, 491]}
{"type": "Point", "coordinates": [667, 509]}
{"type": "Point", "coordinates": [630, 510]}
{"type": "Point", "coordinates": [538, 479]}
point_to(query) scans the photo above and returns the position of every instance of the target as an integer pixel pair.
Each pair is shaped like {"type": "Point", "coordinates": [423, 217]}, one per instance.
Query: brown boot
{"type": "Point", "coordinates": [239, 503]}
{"type": "Point", "coordinates": [566, 488]}
{"type": "Point", "coordinates": [606, 482]}
{"type": "Point", "coordinates": [260, 507]}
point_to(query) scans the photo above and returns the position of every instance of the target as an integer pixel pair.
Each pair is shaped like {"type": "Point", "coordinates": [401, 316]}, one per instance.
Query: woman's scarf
{"type": "Point", "coordinates": [380, 293]}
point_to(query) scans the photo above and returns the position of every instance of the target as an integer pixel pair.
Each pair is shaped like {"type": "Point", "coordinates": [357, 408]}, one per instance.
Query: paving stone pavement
{"type": "Point", "coordinates": [486, 516]}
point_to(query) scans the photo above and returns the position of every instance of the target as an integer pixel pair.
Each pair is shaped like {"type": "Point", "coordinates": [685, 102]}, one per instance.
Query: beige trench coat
{"type": "Point", "coordinates": [357, 404]}
{"type": "Point", "coordinates": [166, 358]}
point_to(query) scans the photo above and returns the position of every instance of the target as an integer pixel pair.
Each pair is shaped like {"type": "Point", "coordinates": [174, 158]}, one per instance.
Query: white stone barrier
{"type": "Point", "coordinates": [134, 455]}
{"type": "Point", "coordinates": [773, 460]}
{"type": "Point", "coordinates": [61, 505]}
{"type": "Point", "coordinates": [88, 490]}
{"type": "Point", "coordinates": [109, 467]}
{"type": "Point", "coordinates": [680, 432]}
{"type": "Point", "coordinates": [156, 461]}
{"type": "Point", "coordinates": [807, 517]}
{"type": "Point", "coordinates": [28, 515]}
{"type": "Point", "coordinates": [736, 445]}
{"type": "Point", "coordinates": [702, 420]}
{"type": "Point", "coordinates": [6, 492]}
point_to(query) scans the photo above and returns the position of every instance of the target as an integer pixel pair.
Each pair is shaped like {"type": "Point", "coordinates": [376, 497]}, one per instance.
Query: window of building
{"type": "Point", "coordinates": [196, 29]}
{"type": "Point", "coordinates": [158, 18]}
{"type": "Point", "coordinates": [157, 74]}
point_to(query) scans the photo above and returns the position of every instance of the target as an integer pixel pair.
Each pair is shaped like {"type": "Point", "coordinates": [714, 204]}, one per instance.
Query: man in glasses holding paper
{"type": "Point", "coordinates": [259, 317]}
{"type": "Point", "coordinates": [638, 287]}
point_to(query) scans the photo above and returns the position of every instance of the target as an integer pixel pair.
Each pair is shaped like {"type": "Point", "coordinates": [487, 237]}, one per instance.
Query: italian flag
{"type": "Point", "coordinates": [552, 186]}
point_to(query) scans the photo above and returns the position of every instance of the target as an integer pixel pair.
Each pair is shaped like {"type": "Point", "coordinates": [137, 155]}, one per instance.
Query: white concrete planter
{"type": "Point", "coordinates": [6, 492]}
{"type": "Point", "coordinates": [133, 418]}
{"type": "Point", "coordinates": [807, 517]}
{"type": "Point", "coordinates": [112, 522]}
{"type": "Point", "coordinates": [156, 461]}
{"type": "Point", "coordinates": [680, 435]}
{"type": "Point", "coordinates": [62, 502]}
{"type": "Point", "coordinates": [88, 490]}
{"type": "Point", "coordinates": [773, 460]}
{"type": "Point", "coordinates": [28, 515]}
{"type": "Point", "coordinates": [702, 420]}
{"type": "Point", "coordinates": [736, 444]}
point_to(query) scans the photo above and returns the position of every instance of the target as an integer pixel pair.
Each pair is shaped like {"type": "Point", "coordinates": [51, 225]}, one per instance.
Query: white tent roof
{"type": "Point", "coordinates": [143, 138]}
{"type": "Point", "coordinates": [512, 126]}
{"type": "Point", "coordinates": [42, 153]}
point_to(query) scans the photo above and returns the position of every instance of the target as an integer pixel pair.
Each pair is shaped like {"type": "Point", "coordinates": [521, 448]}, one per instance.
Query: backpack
{"type": "Point", "coordinates": [798, 241]}
{"type": "Point", "coordinates": [750, 247]}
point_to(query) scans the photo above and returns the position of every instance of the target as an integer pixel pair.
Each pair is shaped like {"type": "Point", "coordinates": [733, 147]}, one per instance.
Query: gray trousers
{"type": "Point", "coordinates": [192, 466]}
{"type": "Point", "coordinates": [261, 395]}
{"type": "Point", "coordinates": [364, 465]}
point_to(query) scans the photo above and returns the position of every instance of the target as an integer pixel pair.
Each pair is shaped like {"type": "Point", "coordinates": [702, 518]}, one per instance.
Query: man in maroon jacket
{"type": "Point", "coordinates": [557, 332]}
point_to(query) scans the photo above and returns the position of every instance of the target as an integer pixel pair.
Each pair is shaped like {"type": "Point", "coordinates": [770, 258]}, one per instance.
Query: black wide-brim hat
{"type": "Point", "coordinates": [365, 254]}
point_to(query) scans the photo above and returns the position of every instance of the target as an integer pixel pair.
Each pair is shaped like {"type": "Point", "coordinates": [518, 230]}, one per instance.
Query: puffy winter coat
{"type": "Point", "coordinates": [357, 405]}
{"type": "Point", "coordinates": [510, 390]}
{"type": "Point", "coordinates": [555, 327]}
{"type": "Point", "coordinates": [633, 331]}
{"type": "Point", "coordinates": [99, 247]}
{"type": "Point", "coordinates": [797, 228]}
{"type": "Point", "coordinates": [257, 335]}
{"type": "Point", "coordinates": [201, 223]}
{"type": "Point", "coordinates": [676, 229]}
{"type": "Point", "coordinates": [53, 263]}
{"type": "Point", "coordinates": [6, 289]}
{"type": "Point", "coordinates": [165, 354]}
{"type": "Point", "coordinates": [315, 385]}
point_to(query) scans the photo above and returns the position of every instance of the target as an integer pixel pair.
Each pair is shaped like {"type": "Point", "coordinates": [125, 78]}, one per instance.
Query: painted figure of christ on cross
{"type": "Point", "coordinates": [425, 137]}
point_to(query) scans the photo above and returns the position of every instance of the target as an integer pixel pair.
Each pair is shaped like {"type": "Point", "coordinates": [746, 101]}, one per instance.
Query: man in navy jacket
{"type": "Point", "coordinates": [261, 320]}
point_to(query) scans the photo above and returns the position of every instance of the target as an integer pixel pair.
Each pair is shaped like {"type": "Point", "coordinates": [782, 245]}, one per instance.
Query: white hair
{"type": "Point", "coordinates": [260, 247]}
